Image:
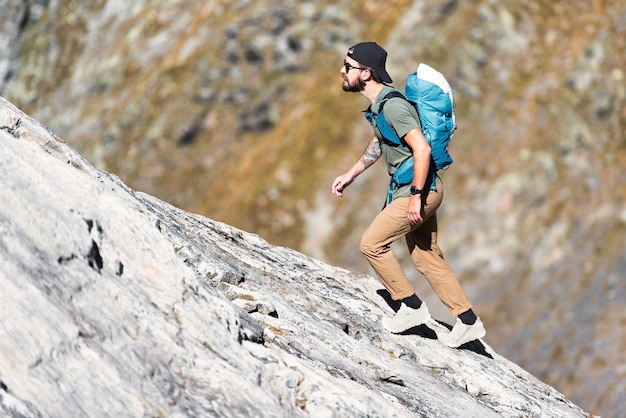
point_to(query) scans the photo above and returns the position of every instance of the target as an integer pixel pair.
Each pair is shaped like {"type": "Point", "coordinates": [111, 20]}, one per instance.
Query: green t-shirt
{"type": "Point", "coordinates": [402, 117]}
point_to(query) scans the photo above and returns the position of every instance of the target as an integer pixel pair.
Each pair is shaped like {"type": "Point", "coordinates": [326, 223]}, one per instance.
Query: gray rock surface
{"type": "Point", "coordinates": [117, 304]}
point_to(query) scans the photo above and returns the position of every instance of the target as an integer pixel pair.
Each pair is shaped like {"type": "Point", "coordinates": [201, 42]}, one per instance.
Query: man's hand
{"type": "Point", "coordinates": [414, 209]}
{"type": "Point", "coordinates": [341, 183]}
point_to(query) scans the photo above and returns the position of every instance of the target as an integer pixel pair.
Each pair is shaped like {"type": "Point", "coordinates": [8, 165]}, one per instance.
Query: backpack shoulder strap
{"type": "Point", "coordinates": [389, 134]}
{"type": "Point", "coordinates": [390, 95]}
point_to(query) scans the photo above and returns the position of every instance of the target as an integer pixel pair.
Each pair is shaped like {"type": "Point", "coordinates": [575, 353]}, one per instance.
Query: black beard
{"type": "Point", "coordinates": [357, 87]}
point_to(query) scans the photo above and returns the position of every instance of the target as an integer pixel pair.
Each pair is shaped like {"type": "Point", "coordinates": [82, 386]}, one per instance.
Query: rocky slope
{"type": "Point", "coordinates": [233, 110]}
{"type": "Point", "coordinates": [117, 304]}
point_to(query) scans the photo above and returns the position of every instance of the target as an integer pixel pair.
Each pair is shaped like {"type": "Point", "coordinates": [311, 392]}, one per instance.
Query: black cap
{"type": "Point", "coordinates": [371, 55]}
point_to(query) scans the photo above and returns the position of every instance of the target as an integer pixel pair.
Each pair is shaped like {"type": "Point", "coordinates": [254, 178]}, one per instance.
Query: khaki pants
{"type": "Point", "coordinates": [391, 224]}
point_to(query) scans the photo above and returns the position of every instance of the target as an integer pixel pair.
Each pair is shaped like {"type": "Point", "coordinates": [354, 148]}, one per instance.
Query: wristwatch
{"type": "Point", "coordinates": [415, 190]}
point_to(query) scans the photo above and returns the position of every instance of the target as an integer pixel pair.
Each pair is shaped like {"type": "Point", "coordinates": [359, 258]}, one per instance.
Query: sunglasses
{"type": "Point", "coordinates": [349, 67]}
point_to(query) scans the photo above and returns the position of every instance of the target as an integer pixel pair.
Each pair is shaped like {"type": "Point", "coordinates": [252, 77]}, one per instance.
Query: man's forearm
{"type": "Point", "coordinates": [421, 165]}
{"type": "Point", "coordinates": [371, 154]}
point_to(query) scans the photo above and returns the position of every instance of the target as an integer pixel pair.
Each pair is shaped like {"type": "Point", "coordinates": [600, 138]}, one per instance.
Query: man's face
{"type": "Point", "coordinates": [351, 74]}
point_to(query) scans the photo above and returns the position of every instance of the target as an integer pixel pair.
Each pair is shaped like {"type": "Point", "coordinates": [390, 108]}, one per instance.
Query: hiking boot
{"type": "Point", "coordinates": [406, 318]}
{"type": "Point", "coordinates": [463, 333]}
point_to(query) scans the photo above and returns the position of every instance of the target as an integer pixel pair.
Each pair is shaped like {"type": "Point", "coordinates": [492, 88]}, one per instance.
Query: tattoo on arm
{"type": "Point", "coordinates": [371, 154]}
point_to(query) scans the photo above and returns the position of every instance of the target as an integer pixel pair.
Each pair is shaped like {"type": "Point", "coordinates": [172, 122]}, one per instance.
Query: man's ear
{"type": "Point", "coordinates": [368, 77]}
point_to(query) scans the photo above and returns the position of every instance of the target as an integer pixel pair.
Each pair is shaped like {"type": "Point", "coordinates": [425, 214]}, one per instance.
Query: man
{"type": "Point", "coordinates": [412, 212]}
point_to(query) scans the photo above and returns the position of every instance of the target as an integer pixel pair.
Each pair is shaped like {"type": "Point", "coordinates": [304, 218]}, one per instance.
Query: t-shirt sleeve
{"type": "Point", "coordinates": [402, 116]}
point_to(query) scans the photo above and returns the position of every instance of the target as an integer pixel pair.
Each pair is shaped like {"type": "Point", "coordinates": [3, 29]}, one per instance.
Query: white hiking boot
{"type": "Point", "coordinates": [462, 333]}
{"type": "Point", "coordinates": [406, 318]}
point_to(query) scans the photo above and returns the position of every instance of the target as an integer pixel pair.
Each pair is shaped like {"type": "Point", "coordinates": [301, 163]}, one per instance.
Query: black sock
{"type": "Point", "coordinates": [412, 301]}
{"type": "Point", "coordinates": [468, 317]}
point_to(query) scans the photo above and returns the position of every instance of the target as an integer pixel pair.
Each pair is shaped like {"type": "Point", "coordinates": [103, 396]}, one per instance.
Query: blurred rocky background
{"type": "Point", "coordinates": [234, 110]}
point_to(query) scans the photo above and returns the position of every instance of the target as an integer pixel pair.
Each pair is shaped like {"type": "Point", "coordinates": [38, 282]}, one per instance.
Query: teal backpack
{"type": "Point", "coordinates": [429, 91]}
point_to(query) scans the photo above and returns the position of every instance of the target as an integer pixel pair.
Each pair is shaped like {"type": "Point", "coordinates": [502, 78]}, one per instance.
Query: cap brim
{"type": "Point", "coordinates": [384, 75]}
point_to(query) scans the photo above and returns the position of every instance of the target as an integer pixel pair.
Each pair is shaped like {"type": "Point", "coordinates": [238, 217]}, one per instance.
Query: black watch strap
{"type": "Point", "coordinates": [415, 190]}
